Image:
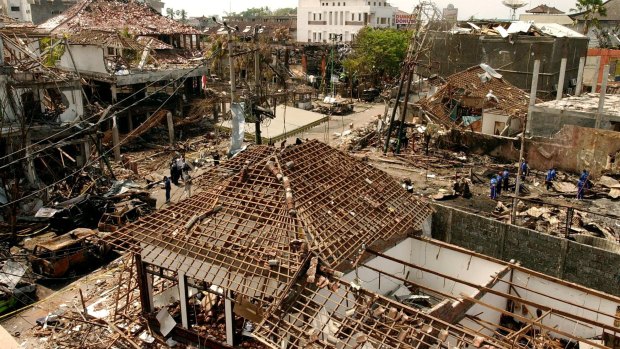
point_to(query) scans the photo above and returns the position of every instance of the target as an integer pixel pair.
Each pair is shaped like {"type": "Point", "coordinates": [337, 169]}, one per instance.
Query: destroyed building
{"type": "Point", "coordinates": [511, 48]}
{"type": "Point", "coordinates": [308, 247]}
{"type": "Point", "coordinates": [479, 99]}
{"type": "Point", "coordinates": [129, 52]}
{"type": "Point", "coordinates": [549, 117]}
{"type": "Point", "coordinates": [36, 101]}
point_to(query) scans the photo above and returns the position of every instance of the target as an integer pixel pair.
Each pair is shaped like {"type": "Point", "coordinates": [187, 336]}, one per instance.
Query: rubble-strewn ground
{"type": "Point", "coordinates": [432, 178]}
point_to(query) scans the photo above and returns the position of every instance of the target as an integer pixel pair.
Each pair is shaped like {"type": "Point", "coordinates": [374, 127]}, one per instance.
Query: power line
{"type": "Point", "coordinates": [52, 145]}
{"type": "Point", "coordinates": [88, 163]}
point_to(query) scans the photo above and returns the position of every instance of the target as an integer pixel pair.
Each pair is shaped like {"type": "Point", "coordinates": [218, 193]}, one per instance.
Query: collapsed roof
{"type": "Point", "coordinates": [477, 88]}
{"type": "Point", "coordinates": [264, 214]}
{"type": "Point", "coordinates": [132, 16]}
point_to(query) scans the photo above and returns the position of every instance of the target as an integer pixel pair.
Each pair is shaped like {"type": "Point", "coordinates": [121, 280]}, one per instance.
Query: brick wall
{"type": "Point", "coordinates": [568, 260]}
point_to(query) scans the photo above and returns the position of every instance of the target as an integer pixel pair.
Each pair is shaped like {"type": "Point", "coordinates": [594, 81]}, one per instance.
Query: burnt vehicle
{"type": "Point", "coordinates": [370, 95]}
{"type": "Point", "coordinates": [57, 256]}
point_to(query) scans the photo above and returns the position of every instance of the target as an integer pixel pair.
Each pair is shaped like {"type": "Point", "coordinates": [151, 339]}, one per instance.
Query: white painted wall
{"type": "Point", "coordinates": [88, 58]}
{"type": "Point", "coordinates": [451, 263]}
{"type": "Point", "coordinates": [23, 14]}
{"type": "Point", "coordinates": [341, 13]}
{"type": "Point", "coordinates": [75, 109]}
{"type": "Point", "coordinates": [543, 289]}
{"type": "Point", "coordinates": [485, 313]}
{"type": "Point", "coordinates": [384, 284]}
{"type": "Point", "coordinates": [489, 119]}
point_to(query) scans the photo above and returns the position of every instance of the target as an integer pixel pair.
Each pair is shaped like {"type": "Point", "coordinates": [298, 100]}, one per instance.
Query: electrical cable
{"type": "Point", "coordinates": [52, 145]}
{"type": "Point", "coordinates": [90, 162]}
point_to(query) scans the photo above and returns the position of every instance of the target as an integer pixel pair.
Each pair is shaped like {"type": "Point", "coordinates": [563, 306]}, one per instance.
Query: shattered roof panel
{"type": "Point", "coordinates": [345, 318]}
{"type": "Point", "coordinates": [104, 39]}
{"type": "Point", "coordinates": [345, 202]}
{"type": "Point", "coordinates": [113, 15]}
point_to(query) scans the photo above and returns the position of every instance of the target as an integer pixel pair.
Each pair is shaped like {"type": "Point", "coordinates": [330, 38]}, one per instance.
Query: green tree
{"type": "Point", "coordinates": [256, 12]}
{"type": "Point", "coordinates": [286, 11]}
{"type": "Point", "coordinates": [170, 13]}
{"type": "Point", "coordinates": [592, 10]}
{"type": "Point", "coordinates": [182, 15]}
{"type": "Point", "coordinates": [378, 51]}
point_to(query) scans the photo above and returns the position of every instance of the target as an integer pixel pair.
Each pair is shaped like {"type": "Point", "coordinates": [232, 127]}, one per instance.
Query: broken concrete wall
{"type": "Point", "coordinates": [572, 149]}
{"type": "Point", "coordinates": [547, 121]}
{"type": "Point", "coordinates": [85, 58]}
{"type": "Point", "coordinates": [513, 59]}
{"type": "Point", "coordinates": [554, 256]}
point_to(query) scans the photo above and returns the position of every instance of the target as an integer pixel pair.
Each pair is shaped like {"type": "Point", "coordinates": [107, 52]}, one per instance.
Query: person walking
{"type": "Point", "coordinates": [493, 195]}
{"type": "Point", "coordinates": [551, 176]}
{"type": "Point", "coordinates": [506, 179]}
{"type": "Point", "coordinates": [525, 170]}
{"type": "Point", "coordinates": [498, 177]}
{"type": "Point", "coordinates": [581, 188]}
{"type": "Point", "coordinates": [168, 187]}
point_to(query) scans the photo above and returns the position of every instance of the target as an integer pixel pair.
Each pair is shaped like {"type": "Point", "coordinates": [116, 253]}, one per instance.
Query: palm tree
{"type": "Point", "coordinates": [591, 9]}
{"type": "Point", "coordinates": [170, 13]}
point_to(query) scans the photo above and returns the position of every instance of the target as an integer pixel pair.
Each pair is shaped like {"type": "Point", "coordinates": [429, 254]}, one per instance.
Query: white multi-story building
{"type": "Point", "coordinates": [317, 20]}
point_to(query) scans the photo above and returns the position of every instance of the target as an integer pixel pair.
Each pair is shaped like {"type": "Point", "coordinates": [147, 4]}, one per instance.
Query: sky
{"type": "Point", "coordinates": [487, 9]}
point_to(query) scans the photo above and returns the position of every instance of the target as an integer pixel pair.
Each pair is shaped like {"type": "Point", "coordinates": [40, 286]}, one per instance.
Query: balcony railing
{"type": "Point", "coordinates": [317, 22]}
{"type": "Point", "coordinates": [353, 23]}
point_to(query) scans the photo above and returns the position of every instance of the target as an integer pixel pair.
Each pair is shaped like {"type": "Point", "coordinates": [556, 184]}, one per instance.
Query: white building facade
{"type": "Point", "coordinates": [318, 20]}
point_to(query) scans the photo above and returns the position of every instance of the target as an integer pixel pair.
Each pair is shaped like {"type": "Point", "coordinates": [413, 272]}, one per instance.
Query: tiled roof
{"type": "Point", "coordinates": [114, 15]}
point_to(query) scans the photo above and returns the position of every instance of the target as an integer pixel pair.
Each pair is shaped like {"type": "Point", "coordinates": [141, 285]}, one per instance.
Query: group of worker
{"type": "Point", "coordinates": [501, 180]}
{"type": "Point", "coordinates": [179, 169]}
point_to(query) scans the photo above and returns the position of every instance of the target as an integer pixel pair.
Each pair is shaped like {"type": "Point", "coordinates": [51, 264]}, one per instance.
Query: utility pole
{"type": "Point", "coordinates": [525, 129]}
{"type": "Point", "coordinates": [334, 38]}
{"type": "Point", "coordinates": [424, 12]}
{"type": "Point", "coordinates": [257, 121]}
{"type": "Point", "coordinates": [235, 124]}
{"type": "Point", "coordinates": [601, 98]}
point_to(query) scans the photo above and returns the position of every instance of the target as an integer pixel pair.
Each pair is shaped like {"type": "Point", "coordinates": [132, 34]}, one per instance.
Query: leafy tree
{"type": "Point", "coordinates": [170, 13]}
{"type": "Point", "coordinates": [379, 51]}
{"type": "Point", "coordinates": [592, 10]}
{"type": "Point", "coordinates": [256, 12]}
{"type": "Point", "coordinates": [285, 11]}
{"type": "Point", "coordinates": [182, 15]}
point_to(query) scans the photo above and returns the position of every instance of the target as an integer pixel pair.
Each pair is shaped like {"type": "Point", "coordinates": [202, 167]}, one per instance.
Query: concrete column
{"type": "Point", "coordinates": [170, 128]}
{"type": "Point", "coordinates": [114, 93]}
{"type": "Point", "coordinates": [86, 149]}
{"type": "Point", "coordinates": [116, 140]}
{"type": "Point", "coordinates": [582, 65]}
{"type": "Point", "coordinates": [228, 310]}
{"type": "Point", "coordinates": [183, 300]}
{"type": "Point", "coordinates": [532, 95]}
{"type": "Point", "coordinates": [561, 80]}
{"type": "Point", "coordinates": [31, 173]}
{"type": "Point", "coordinates": [149, 287]}
{"type": "Point", "coordinates": [601, 98]}
{"type": "Point", "coordinates": [146, 299]}
{"type": "Point", "coordinates": [130, 120]}
{"type": "Point", "coordinates": [596, 74]}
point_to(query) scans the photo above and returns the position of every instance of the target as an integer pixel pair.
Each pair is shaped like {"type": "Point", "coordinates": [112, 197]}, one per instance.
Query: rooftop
{"type": "Point", "coordinates": [544, 9]}
{"type": "Point", "coordinates": [470, 88]}
{"type": "Point", "coordinates": [109, 15]}
{"type": "Point", "coordinates": [251, 228]}
{"type": "Point", "coordinates": [586, 103]}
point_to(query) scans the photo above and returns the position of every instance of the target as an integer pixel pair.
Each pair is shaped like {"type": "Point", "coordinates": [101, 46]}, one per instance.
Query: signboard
{"type": "Point", "coordinates": [403, 18]}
